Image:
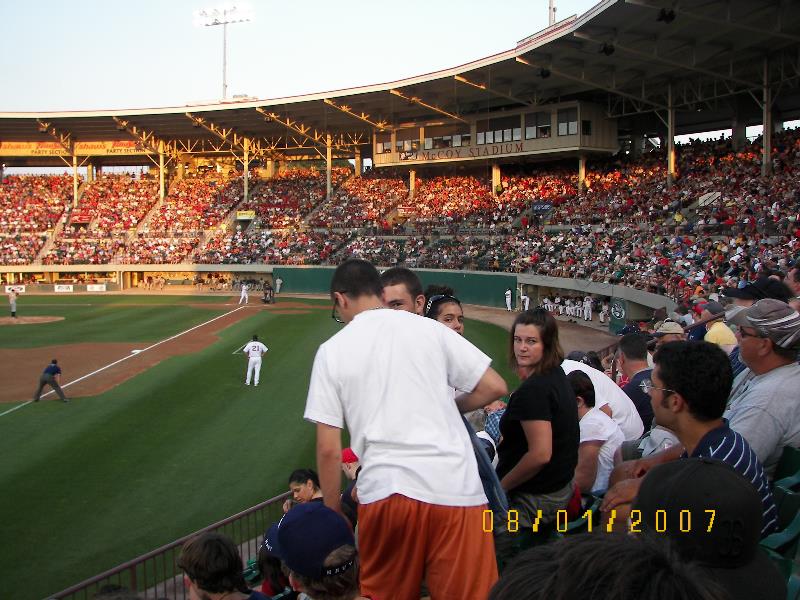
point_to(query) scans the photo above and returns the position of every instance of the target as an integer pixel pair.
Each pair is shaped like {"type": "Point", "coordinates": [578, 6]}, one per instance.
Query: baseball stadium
{"type": "Point", "coordinates": [565, 184]}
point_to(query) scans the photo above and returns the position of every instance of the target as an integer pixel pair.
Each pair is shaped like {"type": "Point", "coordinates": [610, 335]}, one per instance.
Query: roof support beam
{"type": "Point", "coordinates": [235, 139]}
{"type": "Point", "coordinates": [486, 88]}
{"type": "Point", "coordinates": [416, 100]}
{"type": "Point", "coordinates": [716, 21]}
{"type": "Point", "coordinates": [147, 139]}
{"type": "Point", "coordinates": [594, 84]}
{"type": "Point", "coordinates": [361, 116]}
{"type": "Point", "coordinates": [648, 56]}
{"type": "Point", "coordinates": [63, 138]}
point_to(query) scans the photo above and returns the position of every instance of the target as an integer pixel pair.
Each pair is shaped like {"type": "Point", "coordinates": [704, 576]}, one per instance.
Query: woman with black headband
{"type": "Point", "coordinates": [441, 305]}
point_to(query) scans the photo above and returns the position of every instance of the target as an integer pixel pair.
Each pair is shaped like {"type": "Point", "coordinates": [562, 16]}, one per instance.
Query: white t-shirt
{"type": "Point", "coordinates": [597, 426]}
{"type": "Point", "coordinates": [388, 376]}
{"type": "Point", "coordinates": [254, 349]}
{"type": "Point", "coordinates": [607, 392]}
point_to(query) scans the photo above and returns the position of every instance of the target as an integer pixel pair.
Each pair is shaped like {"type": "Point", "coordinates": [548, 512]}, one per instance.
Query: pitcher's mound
{"type": "Point", "coordinates": [27, 320]}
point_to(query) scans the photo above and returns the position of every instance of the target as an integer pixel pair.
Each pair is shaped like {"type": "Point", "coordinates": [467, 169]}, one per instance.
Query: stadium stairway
{"type": "Point", "coordinates": [51, 239]}
{"type": "Point", "coordinates": [316, 209]}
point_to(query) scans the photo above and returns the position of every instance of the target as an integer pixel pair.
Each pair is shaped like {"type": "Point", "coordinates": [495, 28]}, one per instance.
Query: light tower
{"type": "Point", "coordinates": [552, 12]}
{"type": "Point", "coordinates": [223, 15]}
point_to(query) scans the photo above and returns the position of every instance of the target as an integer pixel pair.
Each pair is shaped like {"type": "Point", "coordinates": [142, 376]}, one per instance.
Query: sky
{"type": "Point", "coordinates": [94, 55]}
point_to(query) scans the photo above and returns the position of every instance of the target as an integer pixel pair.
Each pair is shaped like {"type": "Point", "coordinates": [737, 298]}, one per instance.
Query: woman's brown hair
{"type": "Point", "coordinates": [553, 354]}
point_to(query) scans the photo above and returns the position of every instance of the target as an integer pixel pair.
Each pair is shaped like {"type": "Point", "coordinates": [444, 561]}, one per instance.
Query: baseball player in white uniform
{"type": "Point", "coordinates": [526, 301]}
{"type": "Point", "coordinates": [587, 308]}
{"type": "Point", "coordinates": [12, 302]}
{"type": "Point", "coordinates": [243, 299]}
{"type": "Point", "coordinates": [254, 350]}
{"type": "Point", "coordinates": [508, 299]}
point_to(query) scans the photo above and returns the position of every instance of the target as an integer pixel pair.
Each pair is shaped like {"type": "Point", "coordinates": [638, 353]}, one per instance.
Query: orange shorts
{"type": "Point", "coordinates": [403, 542]}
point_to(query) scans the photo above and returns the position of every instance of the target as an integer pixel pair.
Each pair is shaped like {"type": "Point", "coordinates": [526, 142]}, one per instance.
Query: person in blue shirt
{"type": "Point", "coordinates": [50, 376]}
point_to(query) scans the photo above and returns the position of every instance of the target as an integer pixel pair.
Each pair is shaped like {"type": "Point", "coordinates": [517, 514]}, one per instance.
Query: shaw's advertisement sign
{"type": "Point", "coordinates": [123, 147]}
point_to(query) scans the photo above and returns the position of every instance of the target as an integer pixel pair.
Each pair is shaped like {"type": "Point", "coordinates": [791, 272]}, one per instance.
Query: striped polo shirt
{"type": "Point", "coordinates": [723, 443]}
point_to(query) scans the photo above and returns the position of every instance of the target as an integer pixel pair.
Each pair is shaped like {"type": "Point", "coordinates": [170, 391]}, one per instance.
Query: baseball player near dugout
{"type": "Point", "coordinates": [389, 374]}
{"type": "Point", "coordinates": [254, 351]}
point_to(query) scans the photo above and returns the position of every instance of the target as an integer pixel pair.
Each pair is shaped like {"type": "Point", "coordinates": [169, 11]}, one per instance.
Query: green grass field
{"type": "Point", "coordinates": [92, 484]}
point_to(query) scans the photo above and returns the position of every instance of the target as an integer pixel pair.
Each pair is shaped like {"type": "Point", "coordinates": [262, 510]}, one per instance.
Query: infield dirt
{"type": "Point", "coordinates": [20, 368]}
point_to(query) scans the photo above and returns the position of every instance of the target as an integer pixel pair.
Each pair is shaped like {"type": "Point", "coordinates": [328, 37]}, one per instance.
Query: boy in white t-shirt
{"type": "Point", "coordinates": [254, 350]}
{"type": "Point", "coordinates": [600, 438]}
{"type": "Point", "coordinates": [388, 375]}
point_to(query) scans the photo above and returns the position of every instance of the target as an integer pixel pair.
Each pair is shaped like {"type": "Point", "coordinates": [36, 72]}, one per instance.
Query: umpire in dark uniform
{"type": "Point", "coordinates": [50, 377]}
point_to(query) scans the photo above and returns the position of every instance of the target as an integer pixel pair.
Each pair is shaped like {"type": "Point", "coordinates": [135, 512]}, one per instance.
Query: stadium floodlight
{"type": "Point", "coordinates": [224, 15]}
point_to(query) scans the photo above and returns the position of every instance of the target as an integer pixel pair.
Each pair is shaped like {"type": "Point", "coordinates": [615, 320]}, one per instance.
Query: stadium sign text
{"type": "Point", "coordinates": [123, 147]}
{"type": "Point", "coordinates": [475, 152]}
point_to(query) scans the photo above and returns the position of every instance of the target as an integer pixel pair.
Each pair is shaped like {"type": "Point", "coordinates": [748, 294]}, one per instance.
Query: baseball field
{"type": "Point", "coordinates": [161, 436]}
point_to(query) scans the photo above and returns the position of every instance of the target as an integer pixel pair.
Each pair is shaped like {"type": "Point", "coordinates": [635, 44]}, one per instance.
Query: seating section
{"type": "Point", "coordinates": [196, 203]}
{"type": "Point", "coordinates": [114, 203]}
{"type": "Point", "coordinates": [720, 223]}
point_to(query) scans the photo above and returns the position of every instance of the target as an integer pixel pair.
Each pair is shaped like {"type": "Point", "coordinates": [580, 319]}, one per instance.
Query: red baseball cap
{"type": "Point", "coordinates": [348, 456]}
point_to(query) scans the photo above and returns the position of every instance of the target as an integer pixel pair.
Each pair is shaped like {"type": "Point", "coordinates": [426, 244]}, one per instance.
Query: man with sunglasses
{"type": "Point", "coordinates": [688, 389]}
{"type": "Point", "coordinates": [388, 375]}
{"type": "Point", "coordinates": [764, 405]}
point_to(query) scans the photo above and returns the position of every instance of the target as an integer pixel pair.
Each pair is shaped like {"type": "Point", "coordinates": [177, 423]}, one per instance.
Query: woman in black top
{"type": "Point", "coordinates": [539, 431]}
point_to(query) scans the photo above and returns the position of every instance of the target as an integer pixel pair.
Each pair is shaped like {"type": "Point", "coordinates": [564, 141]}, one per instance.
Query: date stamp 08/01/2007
{"type": "Point", "coordinates": [634, 522]}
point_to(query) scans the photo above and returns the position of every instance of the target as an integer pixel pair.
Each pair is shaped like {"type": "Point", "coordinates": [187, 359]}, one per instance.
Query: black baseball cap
{"type": "Point", "coordinates": [675, 499]}
{"type": "Point", "coordinates": [766, 287]}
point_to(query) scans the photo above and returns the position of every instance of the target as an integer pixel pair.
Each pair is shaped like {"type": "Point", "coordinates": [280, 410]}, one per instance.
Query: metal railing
{"type": "Point", "coordinates": [155, 575]}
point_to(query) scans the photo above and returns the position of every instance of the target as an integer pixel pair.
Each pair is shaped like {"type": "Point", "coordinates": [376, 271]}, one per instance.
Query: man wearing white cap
{"type": "Point", "coordinates": [763, 405]}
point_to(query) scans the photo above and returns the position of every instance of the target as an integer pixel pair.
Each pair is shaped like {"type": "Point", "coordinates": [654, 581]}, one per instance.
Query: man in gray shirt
{"type": "Point", "coordinates": [764, 405]}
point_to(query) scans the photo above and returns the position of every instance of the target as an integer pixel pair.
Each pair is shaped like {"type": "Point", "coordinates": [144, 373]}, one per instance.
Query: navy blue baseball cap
{"type": "Point", "coordinates": [270, 543]}
{"type": "Point", "coordinates": [306, 535]}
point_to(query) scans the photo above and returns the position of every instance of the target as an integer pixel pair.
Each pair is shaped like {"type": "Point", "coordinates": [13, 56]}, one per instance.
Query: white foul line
{"type": "Point", "coordinates": [116, 362]}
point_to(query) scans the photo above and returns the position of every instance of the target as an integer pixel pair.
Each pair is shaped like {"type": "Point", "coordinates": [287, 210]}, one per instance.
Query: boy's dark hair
{"type": "Point", "coordinates": [604, 566]}
{"type": "Point", "coordinates": [342, 586]}
{"type": "Point", "coordinates": [548, 330]}
{"type": "Point", "coordinates": [582, 386]}
{"type": "Point", "coordinates": [700, 372]}
{"type": "Point", "coordinates": [633, 346]}
{"type": "Point", "coordinates": [212, 562]}
{"type": "Point", "coordinates": [303, 475]}
{"type": "Point", "coordinates": [407, 277]}
{"type": "Point", "coordinates": [356, 277]}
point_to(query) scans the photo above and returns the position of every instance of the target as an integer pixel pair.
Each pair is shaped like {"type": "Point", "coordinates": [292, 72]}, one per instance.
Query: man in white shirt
{"type": "Point", "coordinates": [243, 299]}
{"type": "Point", "coordinates": [508, 299]}
{"type": "Point", "coordinates": [254, 350]}
{"type": "Point", "coordinates": [388, 374]}
{"type": "Point", "coordinates": [610, 398]}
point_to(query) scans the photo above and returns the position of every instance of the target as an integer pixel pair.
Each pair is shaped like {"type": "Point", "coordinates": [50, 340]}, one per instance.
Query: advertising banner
{"type": "Point", "coordinates": [96, 287]}
{"type": "Point", "coordinates": [62, 288]}
{"type": "Point", "coordinates": [245, 215]}
{"type": "Point", "coordinates": [20, 289]}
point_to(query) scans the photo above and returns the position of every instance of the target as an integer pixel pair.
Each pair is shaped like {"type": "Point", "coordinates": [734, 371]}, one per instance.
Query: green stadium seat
{"type": "Point", "coordinates": [787, 472]}
{"type": "Point", "coordinates": [251, 572]}
{"type": "Point", "coordinates": [793, 592]}
{"type": "Point", "coordinates": [785, 541]}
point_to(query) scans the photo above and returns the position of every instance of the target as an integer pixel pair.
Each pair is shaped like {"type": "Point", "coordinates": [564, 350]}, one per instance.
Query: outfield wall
{"type": "Point", "coordinates": [473, 287]}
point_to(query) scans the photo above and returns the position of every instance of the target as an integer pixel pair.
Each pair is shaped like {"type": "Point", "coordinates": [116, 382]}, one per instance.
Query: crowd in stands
{"type": "Point", "coordinates": [720, 224]}
{"type": "Point", "coordinates": [114, 203]}
{"type": "Point", "coordinates": [20, 249]}
{"type": "Point", "coordinates": [33, 203]}
{"type": "Point", "coordinates": [284, 247]}
{"type": "Point", "coordinates": [153, 250]}
{"type": "Point", "coordinates": [87, 251]}
{"type": "Point", "coordinates": [362, 202]}
{"type": "Point", "coordinates": [197, 202]}
{"type": "Point", "coordinates": [569, 445]}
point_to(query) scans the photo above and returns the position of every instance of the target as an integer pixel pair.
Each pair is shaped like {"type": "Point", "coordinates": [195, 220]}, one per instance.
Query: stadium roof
{"type": "Point", "coordinates": [625, 55]}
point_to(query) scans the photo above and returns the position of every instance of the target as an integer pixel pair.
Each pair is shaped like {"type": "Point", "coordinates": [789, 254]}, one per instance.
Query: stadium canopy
{"type": "Point", "coordinates": [717, 63]}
